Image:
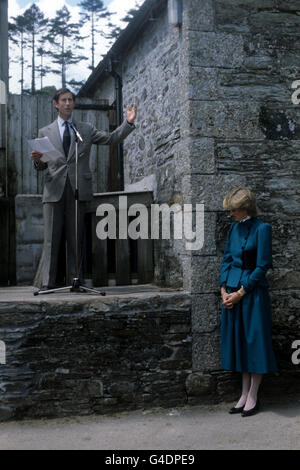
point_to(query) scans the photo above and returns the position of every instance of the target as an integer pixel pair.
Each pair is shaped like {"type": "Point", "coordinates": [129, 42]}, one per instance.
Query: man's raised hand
{"type": "Point", "coordinates": [131, 113]}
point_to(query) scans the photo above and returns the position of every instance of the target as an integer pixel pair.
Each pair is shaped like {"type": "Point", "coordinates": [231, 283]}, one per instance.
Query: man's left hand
{"type": "Point", "coordinates": [131, 113]}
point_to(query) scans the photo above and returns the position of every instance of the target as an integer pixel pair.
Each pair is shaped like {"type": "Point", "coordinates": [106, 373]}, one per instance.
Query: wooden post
{"type": "Point", "coordinates": [4, 89]}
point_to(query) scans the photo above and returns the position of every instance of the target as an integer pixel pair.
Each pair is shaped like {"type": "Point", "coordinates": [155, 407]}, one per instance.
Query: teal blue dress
{"type": "Point", "coordinates": [246, 329]}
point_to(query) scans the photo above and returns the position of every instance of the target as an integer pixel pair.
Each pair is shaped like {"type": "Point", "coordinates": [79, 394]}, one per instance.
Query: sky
{"type": "Point", "coordinates": [49, 8]}
{"type": "Point", "coordinates": [27, 3]}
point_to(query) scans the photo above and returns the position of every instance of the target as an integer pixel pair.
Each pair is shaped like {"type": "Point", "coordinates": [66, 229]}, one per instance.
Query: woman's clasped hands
{"type": "Point", "coordinates": [229, 300]}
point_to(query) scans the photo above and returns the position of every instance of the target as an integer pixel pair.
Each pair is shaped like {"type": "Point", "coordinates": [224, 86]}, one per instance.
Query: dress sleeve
{"type": "Point", "coordinates": [264, 257]}
{"type": "Point", "coordinates": [227, 259]}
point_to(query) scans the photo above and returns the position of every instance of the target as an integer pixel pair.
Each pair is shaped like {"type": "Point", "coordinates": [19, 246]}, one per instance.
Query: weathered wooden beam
{"type": "Point", "coordinates": [94, 107]}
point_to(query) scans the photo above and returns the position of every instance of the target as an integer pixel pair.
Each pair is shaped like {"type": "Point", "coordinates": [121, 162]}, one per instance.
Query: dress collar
{"type": "Point", "coordinates": [245, 219]}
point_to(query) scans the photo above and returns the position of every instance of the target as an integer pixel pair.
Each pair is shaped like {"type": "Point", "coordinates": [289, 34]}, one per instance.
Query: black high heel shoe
{"type": "Point", "coordinates": [234, 410]}
{"type": "Point", "coordinates": [252, 411]}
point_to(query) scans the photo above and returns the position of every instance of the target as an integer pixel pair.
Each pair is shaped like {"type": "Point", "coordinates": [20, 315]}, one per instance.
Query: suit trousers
{"type": "Point", "coordinates": [56, 216]}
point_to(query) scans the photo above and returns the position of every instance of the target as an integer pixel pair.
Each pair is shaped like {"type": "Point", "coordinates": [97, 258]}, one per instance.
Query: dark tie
{"type": "Point", "coordinates": [66, 139]}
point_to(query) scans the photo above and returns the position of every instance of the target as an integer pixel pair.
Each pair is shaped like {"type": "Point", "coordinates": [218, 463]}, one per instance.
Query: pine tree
{"type": "Point", "coordinates": [16, 33]}
{"type": "Point", "coordinates": [115, 31]}
{"type": "Point", "coordinates": [93, 11]}
{"type": "Point", "coordinates": [65, 38]}
{"type": "Point", "coordinates": [42, 69]}
{"type": "Point", "coordinates": [35, 24]}
{"type": "Point", "coordinates": [131, 13]}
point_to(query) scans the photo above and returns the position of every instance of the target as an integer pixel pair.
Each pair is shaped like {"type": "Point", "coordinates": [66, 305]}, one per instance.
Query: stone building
{"type": "Point", "coordinates": [213, 81]}
{"type": "Point", "coordinates": [213, 85]}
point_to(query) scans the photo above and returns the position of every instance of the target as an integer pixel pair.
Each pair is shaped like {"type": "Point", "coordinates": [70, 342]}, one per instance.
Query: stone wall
{"type": "Point", "coordinates": [153, 73]}
{"type": "Point", "coordinates": [29, 236]}
{"type": "Point", "coordinates": [214, 112]}
{"type": "Point", "coordinates": [243, 58]}
{"type": "Point", "coordinates": [69, 356]}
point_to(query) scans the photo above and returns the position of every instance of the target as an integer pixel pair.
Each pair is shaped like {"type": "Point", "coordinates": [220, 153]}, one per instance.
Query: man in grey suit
{"type": "Point", "coordinates": [59, 183]}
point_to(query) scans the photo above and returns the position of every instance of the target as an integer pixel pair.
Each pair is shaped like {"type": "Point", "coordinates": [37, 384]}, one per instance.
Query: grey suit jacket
{"type": "Point", "coordinates": [57, 170]}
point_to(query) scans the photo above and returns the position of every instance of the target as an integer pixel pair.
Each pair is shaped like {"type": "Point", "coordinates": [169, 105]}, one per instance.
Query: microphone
{"type": "Point", "coordinates": [76, 132]}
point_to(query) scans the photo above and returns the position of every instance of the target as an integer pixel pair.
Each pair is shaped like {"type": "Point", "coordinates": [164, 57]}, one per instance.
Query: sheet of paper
{"type": "Point", "coordinates": [44, 146]}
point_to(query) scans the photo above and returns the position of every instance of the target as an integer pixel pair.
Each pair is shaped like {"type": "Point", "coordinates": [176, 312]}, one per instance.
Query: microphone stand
{"type": "Point", "coordinates": [76, 286]}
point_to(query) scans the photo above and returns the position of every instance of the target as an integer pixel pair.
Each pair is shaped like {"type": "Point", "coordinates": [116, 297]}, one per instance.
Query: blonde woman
{"type": "Point", "coordinates": [246, 323]}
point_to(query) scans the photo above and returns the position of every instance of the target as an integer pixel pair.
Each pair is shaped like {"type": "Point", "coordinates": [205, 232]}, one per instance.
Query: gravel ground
{"type": "Point", "coordinates": [276, 426]}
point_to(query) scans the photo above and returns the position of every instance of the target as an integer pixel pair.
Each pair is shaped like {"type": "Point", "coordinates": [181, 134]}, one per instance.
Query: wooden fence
{"type": "Point", "coordinates": [26, 115]}
{"type": "Point", "coordinates": [121, 261]}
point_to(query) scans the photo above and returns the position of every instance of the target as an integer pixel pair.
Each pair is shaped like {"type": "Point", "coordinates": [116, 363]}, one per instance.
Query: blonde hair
{"type": "Point", "coordinates": [241, 198]}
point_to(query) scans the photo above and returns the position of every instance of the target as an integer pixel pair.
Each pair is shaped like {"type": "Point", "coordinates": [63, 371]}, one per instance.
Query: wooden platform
{"type": "Point", "coordinates": [26, 293]}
